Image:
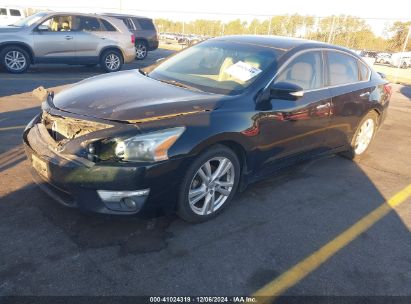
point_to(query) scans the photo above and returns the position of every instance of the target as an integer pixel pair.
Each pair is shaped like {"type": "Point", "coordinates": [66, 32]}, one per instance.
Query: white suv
{"type": "Point", "coordinates": [69, 38]}
{"type": "Point", "coordinates": [9, 15]}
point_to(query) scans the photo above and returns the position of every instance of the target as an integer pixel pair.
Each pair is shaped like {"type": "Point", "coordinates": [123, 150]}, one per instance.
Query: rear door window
{"type": "Point", "coordinates": [342, 68]}
{"type": "Point", "coordinates": [129, 23]}
{"type": "Point", "coordinates": [3, 12]}
{"type": "Point", "coordinates": [305, 71]}
{"type": "Point", "coordinates": [364, 71]}
{"type": "Point", "coordinates": [14, 12]}
{"type": "Point", "coordinates": [107, 26]}
{"type": "Point", "coordinates": [89, 24]}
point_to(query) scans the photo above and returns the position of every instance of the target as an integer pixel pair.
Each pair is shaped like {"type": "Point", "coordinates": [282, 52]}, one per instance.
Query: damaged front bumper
{"type": "Point", "coordinates": [106, 187]}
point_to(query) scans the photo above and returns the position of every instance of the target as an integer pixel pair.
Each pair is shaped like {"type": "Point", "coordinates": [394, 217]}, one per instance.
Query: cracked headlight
{"type": "Point", "coordinates": [148, 147]}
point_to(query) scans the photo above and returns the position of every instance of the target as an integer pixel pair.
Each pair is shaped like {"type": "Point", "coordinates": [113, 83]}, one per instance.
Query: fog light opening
{"type": "Point", "coordinates": [124, 200]}
{"type": "Point", "coordinates": [129, 203]}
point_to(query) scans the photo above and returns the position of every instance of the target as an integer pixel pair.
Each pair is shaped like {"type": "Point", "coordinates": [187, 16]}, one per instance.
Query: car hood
{"type": "Point", "coordinates": [9, 29]}
{"type": "Point", "coordinates": [132, 97]}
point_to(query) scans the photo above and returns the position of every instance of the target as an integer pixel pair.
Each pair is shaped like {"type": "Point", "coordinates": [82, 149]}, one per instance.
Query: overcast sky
{"type": "Point", "coordinates": [231, 9]}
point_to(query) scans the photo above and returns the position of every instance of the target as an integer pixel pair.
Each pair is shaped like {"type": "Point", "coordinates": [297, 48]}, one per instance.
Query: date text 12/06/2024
{"type": "Point", "coordinates": [204, 299]}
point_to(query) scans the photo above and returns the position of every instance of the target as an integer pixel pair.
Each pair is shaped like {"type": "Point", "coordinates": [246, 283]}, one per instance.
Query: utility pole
{"type": "Point", "coordinates": [121, 5]}
{"type": "Point", "coordinates": [330, 34]}
{"type": "Point", "coordinates": [402, 53]}
{"type": "Point", "coordinates": [269, 27]}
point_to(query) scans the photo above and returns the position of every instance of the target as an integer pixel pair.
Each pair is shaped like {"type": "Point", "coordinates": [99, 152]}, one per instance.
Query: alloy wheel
{"type": "Point", "coordinates": [364, 136]}
{"type": "Point", "coordinates": [141, 51]}
{"type": "Point", "coordinates": [112, 62]}
{"type": "Point", "coordinates": [211, 186]}
{"type": "Point", "coordinates": [15, 60]}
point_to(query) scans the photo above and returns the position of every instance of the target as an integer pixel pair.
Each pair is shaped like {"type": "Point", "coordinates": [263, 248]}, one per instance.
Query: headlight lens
{"type": "Point", "coordinates": [142, 148]}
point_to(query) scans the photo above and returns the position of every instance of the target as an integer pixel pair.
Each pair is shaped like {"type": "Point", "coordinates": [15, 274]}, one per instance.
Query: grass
{"type": "Point", "coordinates": [402, 76]}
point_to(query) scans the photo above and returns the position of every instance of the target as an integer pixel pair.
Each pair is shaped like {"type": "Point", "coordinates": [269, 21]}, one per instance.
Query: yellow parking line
{"type": "Point", "coordinates": [12, 128]}
{"type": "Point", "coordinates": [316, 259]}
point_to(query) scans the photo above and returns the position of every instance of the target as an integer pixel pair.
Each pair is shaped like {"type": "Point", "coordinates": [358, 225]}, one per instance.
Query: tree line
{"type": "Point", "coordinates": [348, 31]}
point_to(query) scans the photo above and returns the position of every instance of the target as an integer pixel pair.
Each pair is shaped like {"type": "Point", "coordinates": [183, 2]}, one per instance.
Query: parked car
{"type": "Point", "coordinates": [170, 38]}
{"type": "Point", "coordinates": [401, 59]}
{"type": "Point", "coordinates": [190, 39]}
{"type": "Point", "coordinates": [143, 29]}
{"type": "Point", "coordinates": [187, 133]}
{"type": "Point", "coordinates": [50, 37]}
{"type": "Point", "coordinates": [369, 57]}
{"type": "Point", "coordinates": [383, 58]}
{"type": "Point", "coordinates": [9, 15]}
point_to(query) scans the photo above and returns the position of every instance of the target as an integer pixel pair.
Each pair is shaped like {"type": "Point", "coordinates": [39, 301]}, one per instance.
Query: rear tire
{"type": "Point", "coordinates": [363, 137]}
{"type": "Point", "coordinates": [141, 50]}
{"type": "Point", "coordinates": [15, 59]}
{"type": "Point", "coordinates": [203, 192]}
{"type": "Point", "coordinates": [111, 61]}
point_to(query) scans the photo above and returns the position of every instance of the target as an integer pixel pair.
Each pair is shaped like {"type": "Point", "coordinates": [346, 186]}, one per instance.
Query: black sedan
{"type": "Point", "coordinates": [189, 132]}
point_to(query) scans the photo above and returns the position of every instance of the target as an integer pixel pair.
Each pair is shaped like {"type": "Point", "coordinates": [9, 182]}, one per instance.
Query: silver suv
{"type": "Point", "coordinates": [69, 38]}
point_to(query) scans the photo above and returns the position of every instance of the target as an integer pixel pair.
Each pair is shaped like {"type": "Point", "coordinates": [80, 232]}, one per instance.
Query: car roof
{"type": "Point", "coordinates": [279, 42]}
{"type": "Point", "coordinates": [50, 13]}
{"type": "Point", "coordinates": [117, 15]}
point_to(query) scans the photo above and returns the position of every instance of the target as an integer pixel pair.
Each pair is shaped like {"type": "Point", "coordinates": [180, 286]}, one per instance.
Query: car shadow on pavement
{"type": "Point", "coordinates": [269, 228]}
{"type": "Point", "coordinates": [406, 91]}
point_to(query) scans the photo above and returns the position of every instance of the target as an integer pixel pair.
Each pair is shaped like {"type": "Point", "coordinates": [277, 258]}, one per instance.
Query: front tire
{"type": "Point", "coordinates": [15, 59]}
{"type": "Point", "coordinates": [363, 136]}
{"type": "Point", "coordinates": [209, 184]}
{"type": "Point", "coordinates": [111, 61]}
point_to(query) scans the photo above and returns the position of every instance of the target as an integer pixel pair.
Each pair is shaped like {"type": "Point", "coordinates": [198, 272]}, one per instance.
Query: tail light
{"type": "Point", "coordinates": [133, 39]}
{"type": "Point", "coordinates": [388, 88]}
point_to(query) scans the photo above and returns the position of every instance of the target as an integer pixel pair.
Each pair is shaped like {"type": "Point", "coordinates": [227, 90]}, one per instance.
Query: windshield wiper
{"type": "Point", "coordinates": [181, 85]}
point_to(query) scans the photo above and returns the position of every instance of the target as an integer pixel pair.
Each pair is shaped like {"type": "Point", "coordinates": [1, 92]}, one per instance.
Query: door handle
{"type": "Point", "coordinates": [68, 37]}
{"type": "Point", "coordinates": [366, 94]}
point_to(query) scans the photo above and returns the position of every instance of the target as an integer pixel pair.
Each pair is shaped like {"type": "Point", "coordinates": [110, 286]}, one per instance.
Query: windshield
{"type": "Point", "coordinates": [218, 66]}
{"type": "Point", "coordinates": [25, 22]}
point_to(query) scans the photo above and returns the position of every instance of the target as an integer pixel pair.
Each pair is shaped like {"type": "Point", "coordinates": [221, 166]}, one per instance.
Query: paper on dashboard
{"type": "Point", "coordinates": [242, 71]}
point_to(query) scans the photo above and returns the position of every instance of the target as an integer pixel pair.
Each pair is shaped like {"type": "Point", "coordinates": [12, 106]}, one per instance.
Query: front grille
{"type": "Point", "coordinates": [61, 128]}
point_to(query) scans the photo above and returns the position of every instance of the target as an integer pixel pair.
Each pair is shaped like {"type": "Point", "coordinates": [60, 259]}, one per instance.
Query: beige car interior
{"type": "Point", "coordinates": [60, 24]}
{"type": "Point", "coordinates": [305, 72]}
{"type": "Point", "coordinates": [227, 62]}
{"type": "Point", "coordinates": [339, 73]}
{"type": "Point", "coordinates": [343, 73]}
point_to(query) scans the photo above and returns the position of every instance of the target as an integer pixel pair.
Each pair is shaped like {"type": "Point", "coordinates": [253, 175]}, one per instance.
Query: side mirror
{"type": "Point", "coordinates": [43, 28]}
{"type": "Point", "coordinates": [286, 90]}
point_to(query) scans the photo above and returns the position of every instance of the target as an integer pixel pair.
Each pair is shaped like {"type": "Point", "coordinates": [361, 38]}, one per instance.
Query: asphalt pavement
{"type": "Point", "coordinates": [47, 249]}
